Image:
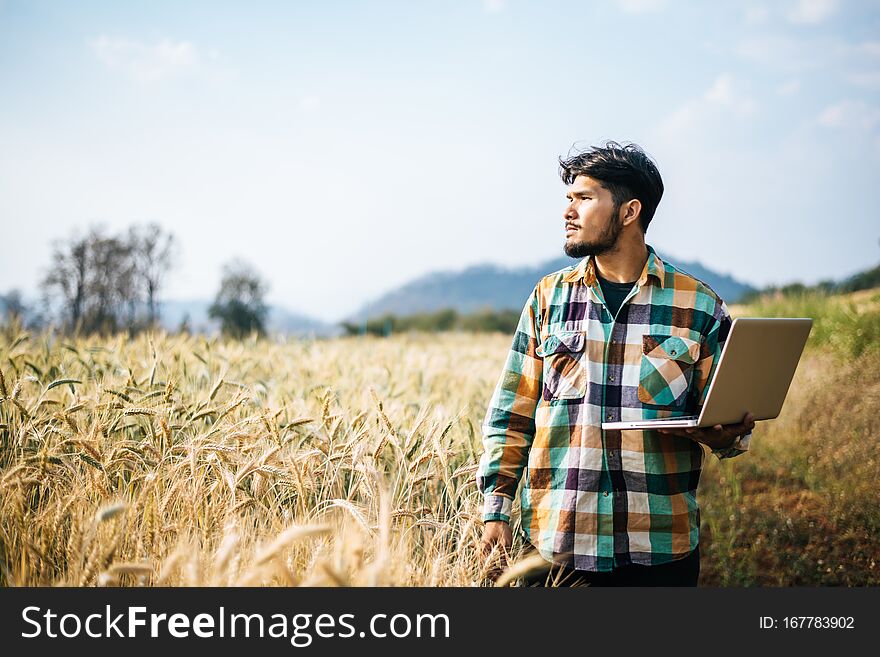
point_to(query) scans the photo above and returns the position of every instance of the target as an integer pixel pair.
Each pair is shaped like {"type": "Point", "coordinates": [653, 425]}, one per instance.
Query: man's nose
{"type": "Point", "coordinates": [569, 212]}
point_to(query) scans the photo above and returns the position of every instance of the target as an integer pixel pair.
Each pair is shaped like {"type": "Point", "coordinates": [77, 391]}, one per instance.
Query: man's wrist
{"type": "Point", "coordinates": [739, 445]}
{"type": "Point", "coordinates": [716, 442]}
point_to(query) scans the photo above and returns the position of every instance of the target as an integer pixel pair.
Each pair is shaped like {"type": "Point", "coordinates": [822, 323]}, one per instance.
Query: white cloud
{"type": "Point", "coordinates": [150, 63]}
{"type": "Point", "coordinates": [807, 52]}
{"type": "Point", "coordinates": [850, 114]}
{"type": "Point", "coordinates": [812, 11]}
{"type": "Point", "coordinates": [865, 79]}
{"type": "Point", "coordinates": [869, 48]}
{"type": "Point", "coordinates": [723, 100]}
{"type": "Point", "coordinates": [723, 93]}
{"type": "Point", "coordinates": [757, 14]}
{"type": "Point", "coordinates": [493, 6]}
{"type": "Point", "coordinates": [789, 88]}
{"type": "Point", "coordinates": [783, 52]}
{"type": "Point", "coordinates": [641, 6]}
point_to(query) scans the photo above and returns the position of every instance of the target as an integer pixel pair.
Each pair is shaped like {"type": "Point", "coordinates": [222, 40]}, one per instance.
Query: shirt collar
{"type": "Point", "coordinates": [586, 270]}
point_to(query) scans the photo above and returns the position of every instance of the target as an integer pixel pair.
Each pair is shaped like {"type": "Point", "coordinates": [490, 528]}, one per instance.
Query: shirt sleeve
{"type": "Point", "coordinates": [509, 426]}
{"type": "Point", "coordinates": [710, 354]}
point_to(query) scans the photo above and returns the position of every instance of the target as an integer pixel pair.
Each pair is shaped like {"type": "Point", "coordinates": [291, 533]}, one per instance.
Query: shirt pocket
{"type": "Point", "coordinates": [565, 373]}
{"type": "Point", "coordinates": [666, 369]}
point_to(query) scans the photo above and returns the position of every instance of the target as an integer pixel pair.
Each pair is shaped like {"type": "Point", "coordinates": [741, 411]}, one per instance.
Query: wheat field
{"type": "Point", "coordinates": [184, 460]}
{"type": "Point", "coordinates": [179, 460]}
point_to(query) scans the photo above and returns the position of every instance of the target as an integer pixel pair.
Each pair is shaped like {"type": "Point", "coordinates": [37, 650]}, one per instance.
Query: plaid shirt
{"type": "Point", "coordinates": [593, 499]}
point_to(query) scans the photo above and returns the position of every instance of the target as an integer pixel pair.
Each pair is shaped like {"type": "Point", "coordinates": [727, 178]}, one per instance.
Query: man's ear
{"type": "Point", "coordinates": [630, 211]}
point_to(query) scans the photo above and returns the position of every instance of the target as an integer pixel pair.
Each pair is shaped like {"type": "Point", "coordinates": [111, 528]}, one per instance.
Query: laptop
{"type": "Point", "coordinates": [753, 375]}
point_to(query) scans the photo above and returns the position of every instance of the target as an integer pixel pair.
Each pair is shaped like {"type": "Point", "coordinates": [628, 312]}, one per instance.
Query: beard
{"type": "Point", "coordinates": [602, 244]}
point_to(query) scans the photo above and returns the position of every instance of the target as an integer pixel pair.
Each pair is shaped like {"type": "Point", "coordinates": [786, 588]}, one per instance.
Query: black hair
{"type": "Point", "coordinates": [625, 170]}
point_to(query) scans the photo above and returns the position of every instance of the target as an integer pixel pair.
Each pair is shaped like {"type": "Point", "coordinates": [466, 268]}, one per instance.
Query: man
{"type": "Point", "coordinates": [621, 336]}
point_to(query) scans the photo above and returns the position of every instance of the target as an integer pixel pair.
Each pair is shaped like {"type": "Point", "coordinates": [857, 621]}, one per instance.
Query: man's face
{"type": "Point", "coordinates": [592, 224]}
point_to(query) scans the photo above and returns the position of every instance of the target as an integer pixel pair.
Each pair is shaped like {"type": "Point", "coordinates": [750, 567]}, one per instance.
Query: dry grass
{"type": "Point", "coordinates": [803, 508]}
{"type": "Point", "coordinates": [181, 461]}
{"type": "Point", "coordinates": [170, 460]}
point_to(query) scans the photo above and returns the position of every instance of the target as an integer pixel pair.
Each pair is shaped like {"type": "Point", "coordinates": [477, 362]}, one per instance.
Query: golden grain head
{"type": "Point", "coordinates": [110, 511]}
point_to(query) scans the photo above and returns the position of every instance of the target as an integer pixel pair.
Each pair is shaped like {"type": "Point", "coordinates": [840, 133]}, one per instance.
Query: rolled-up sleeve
{"type": "Point", "coordinates": [710, 354]}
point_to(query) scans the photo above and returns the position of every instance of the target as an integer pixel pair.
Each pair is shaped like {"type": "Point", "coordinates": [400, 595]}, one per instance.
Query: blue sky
{"type": "Point", "coordinates": [344, 148]}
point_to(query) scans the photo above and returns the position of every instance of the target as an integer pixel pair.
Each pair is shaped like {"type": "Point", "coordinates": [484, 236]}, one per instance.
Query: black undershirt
{"type": "Point", "coordinates": [614, 294]}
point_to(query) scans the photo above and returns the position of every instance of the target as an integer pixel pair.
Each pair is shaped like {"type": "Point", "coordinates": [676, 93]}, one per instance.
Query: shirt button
{"type": "Point", "coordinates": [611, 377]}
{"type": "Point", "coordinates": [605, 493]}
{"type": "Point", "coordinates": [611, 416]}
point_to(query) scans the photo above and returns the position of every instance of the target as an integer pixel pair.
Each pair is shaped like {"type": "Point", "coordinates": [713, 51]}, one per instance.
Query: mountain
{"type": "Point", "coordinates": [497, 288]}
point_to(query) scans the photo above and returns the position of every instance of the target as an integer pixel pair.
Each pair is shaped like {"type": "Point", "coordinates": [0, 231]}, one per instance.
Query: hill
{"type": "Point", "coordinates": [482, 287]}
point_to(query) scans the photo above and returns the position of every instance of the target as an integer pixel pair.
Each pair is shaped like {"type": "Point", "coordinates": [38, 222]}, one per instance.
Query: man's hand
{"type": "Point", "coordinates": [717, 437]}
{"type": "Point", "coordinates": [497, 536]}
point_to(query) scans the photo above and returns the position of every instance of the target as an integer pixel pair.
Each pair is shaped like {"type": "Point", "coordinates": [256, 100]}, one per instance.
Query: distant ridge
{"type": "Point", "coordinates": [497, 288]}
{"type": "Point", "coordinates": [475, 288]}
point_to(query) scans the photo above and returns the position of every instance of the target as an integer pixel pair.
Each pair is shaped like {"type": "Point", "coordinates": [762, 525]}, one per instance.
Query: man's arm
{"type": "Point", "coordinates": [724, 441]}
{"type": "Point", "coordinates": [509, 427]}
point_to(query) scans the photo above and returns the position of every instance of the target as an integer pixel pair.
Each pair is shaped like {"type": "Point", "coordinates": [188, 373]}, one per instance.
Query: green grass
{"type": "Point", "coordinates": [847, 326]}
{"type": "Point", "coordinates": [802, 507]}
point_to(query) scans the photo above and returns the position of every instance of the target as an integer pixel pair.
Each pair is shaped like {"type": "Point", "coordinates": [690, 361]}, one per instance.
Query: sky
{"type": "Point", "coordinates": [345, 148]}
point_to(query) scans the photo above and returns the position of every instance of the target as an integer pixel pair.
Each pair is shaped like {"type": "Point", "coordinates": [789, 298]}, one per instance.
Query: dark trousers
{"type": "Point", "coordinates": [683, 572]}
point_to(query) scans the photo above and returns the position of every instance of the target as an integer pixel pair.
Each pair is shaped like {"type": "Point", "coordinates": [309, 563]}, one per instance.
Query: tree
{"type": "Point", "coordinates": [154, 252]}
{"type": "Point", "coordinates": [111, 284]}
{"type": "Point", "coordinates": [12, 307]}
{"type": "Point", "coordinates": [239, 304]}
{"type": "Point", "coordinates": [67, 279]}
{"type": "Point", "coordinates": [104, 282]}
